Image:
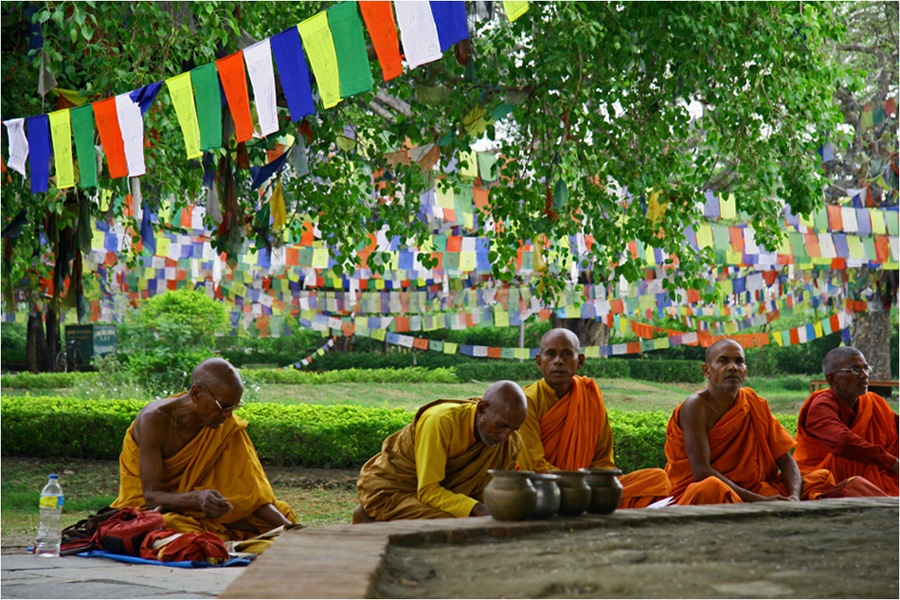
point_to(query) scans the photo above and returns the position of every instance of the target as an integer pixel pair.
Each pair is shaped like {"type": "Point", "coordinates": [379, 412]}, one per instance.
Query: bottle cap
{"type": "Point", "coordinates": [54, 476]}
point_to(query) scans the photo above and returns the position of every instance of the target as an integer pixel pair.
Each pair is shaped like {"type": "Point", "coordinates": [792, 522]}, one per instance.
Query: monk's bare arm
{"type": "Point", "coordinates": [150, 434]}
{"type": "Point", "coordinates": [693, 421]}
{"type": "Point", "coordinates": [790, 475]}
{"type": "Point", "coordinates": [271, 515]}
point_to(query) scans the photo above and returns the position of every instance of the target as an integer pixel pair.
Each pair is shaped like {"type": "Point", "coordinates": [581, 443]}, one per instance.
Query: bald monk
{"type": "Point", "coordinates": [567, 427]}
{"type": "Point", "coordinates": [723, 444]}
{"type": "Point", "coordinates": [190, 458]}
{"type": "Point", "coordinates": [437, 465]}
{"type": "Point", "coordinates": [847, 429]}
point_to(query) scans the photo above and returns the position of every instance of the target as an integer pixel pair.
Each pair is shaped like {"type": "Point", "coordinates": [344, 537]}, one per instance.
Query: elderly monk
{"type": "Point", "coordinates": [847, 429]}
{"type": "Point", "coordinates": [723, 444]}
{"type": "Point", "coordinates": [567, 427]}
{"type": "Point", "coordinates": [189, 457]}
{"type": "Point", "coordinates": [437, 465]}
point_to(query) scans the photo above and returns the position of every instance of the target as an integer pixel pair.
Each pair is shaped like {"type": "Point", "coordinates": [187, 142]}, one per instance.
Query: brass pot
{"type": "Point", "coordinates": [548, 495]}
{"type": "Point", "coordinates": [574, 491]}
{"type": "Point", "coordinates": [509, 496]}
{"type": "Point", "coordinates": [606, 490]}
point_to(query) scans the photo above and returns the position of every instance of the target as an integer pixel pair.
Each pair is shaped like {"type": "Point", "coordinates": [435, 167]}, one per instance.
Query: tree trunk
{"type": "Point", "coordinates": [870, 333]}
{"type": "Point", "coordinates": [42, 341]}
{"type": "Point", "coordinates": [589, 331]}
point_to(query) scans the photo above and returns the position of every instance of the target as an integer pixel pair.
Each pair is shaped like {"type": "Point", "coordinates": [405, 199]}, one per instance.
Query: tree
{"type": "Point", "coordinates": [610, 118]}
{"type": "Point", "coordinates": [869, 50]}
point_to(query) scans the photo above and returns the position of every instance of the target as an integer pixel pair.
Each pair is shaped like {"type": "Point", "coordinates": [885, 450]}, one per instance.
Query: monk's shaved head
{"type": "Point", "coordinates": [713, 350]}
{"type": "Point", "coordinates": [218, 373]}
{"type": "Point", "coordinates": [506, 393]}
{"type": "Point", "coordinates": [500, 413]}
{"type": "Point", "coordinates": [560, 331]}
{"type": "Point", "coordinates": [835, 358]}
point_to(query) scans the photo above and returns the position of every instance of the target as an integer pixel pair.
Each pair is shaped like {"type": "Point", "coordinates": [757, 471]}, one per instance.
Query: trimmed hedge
{"type": "Point", "coordinates": [300, 434]}
{"type": "Point", "coordinates": [45, 381]}
{"type": "Point", "coordinates": [406, 375]}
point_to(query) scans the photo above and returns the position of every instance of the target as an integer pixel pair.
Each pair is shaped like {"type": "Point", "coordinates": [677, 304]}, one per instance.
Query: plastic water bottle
{"type": "Point", "coordinates": [49, 535]}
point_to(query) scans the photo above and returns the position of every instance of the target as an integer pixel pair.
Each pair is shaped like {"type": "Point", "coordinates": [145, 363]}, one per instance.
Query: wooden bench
{"type": "Point", "coordinates": [817, 384]}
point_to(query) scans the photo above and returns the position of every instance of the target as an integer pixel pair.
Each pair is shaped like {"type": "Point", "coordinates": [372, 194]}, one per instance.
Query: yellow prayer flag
{"type": "Point", "coordinates": [515, 9]}
{"type": "Point", "coordinates": [877, 219]}
{"type": "Point", "coordinates": [21, 318]}
{"type": "Point", "coordinates": [276, 205]}
{"type": "Point", "coordinates": [445, 196]}
{"type": "Point", "coordinates": [71, 95]}
{"type": "Point", "coordinates": [475, 122]}
{"type": "Point", "coordinates": [818, 327]}
{"type": "Point", "coordinates": [777, 336]}
{"type": "Point", "coordinates": [320, 257]}
{"type": "Point", "coordinates": [660, 343]}
{"type": "Point", "coordinates": [522, 353]}
{"type": "Point", "coordinates": [378, 334]}
{"type": "Point", "coordinates": [98, 242]}
{"type": "Point", "coordinates": [592, 352]}
{"type": "Point", "coordinates": [182, 93]}
{"type": "Point", "coordinates": [501, 317]}
{"type": "Point", "coordinates": [450, 348]}
{"type": "Point", "coordinates": [468, 164]}
{"type": "Point", "coordinates": [61, 133]}
{"type": "Point", "coordinates": [162, 246]}
{"type": "Point", "coordinates": [656, 209]}
{"type": "Point", "coordinates": [319, 46]}
{"type": "Point", "coordinates": [733, 258]}
{"type": "Point", "coordinates": [727, 206]}
{"type": "Point", "coordinates": [704, 236]}
{"type": "Point", "coordinates": [855, 246]}
{"type": "Point", "coordinates": [573, 312]}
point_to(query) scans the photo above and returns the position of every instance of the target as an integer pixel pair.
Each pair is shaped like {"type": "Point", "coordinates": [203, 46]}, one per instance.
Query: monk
{"type": "Point", "coordinates": [847, 429]}
{"type": "Point", "coordinates": [567, 427]}
{"type": "Point", "coordinates": [436, 466]}
{"type": "Point", "coordinates": [723, 444]}
{"type": "Point", "coordinates": [190, 458]}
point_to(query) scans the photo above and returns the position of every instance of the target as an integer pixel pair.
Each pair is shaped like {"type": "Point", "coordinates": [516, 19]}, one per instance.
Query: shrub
{"type": "Point", "coordinates": [45, 381]}
{"type": "Point", "coordinates": [13, 339]}
{"type": "Point", "coordinates": [668, 371]}
{"type": "Point", "coordinates": [407, 375]}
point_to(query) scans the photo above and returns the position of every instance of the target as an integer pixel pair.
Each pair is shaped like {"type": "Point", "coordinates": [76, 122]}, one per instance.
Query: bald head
{"type": "Point", "coordinates": [560, 333]}
{"type": "Point", "coordinates": [718, 347]}
{"type": "Point", "coordinates": [216, 373]}
{"type": "Point", "coordinates": [835, 358]}
{"type": "Point", "coordinates": [500, 413]}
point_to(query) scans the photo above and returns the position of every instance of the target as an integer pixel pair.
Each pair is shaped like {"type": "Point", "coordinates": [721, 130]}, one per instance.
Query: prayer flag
{"type": "Point", "coordinates": [107, 120]}
{"type": "Point", "coordinates": [131, 124]}
{"type": "Point", "coordinates": [262, 76]}
{"type": "Point", "coordinates": [729, 206]}
{"type": "Point", "coordinates": [61, 133]}
{"type": "Point", "coordinates": [208, 105]}
{"type": "Point", "coordinates": [292, 70]}
{"type": "Point", "coordinates": [18, 145]}
{"type": "Point", "coordinates": [352, 60]}
{"type": "Point", "coordinates": [82, 119]}
{"type": "Point", "coordinates": [450, 21]}
{"type": "Point", "coordinates": [418, 32]}
{"type": "Point", "coordinates": [39, 152]}
{"type": "Point", "coordinates": [234, 82]}
{"type": "Point", "coordinates": [379, 18]}
{"type": "Point", "coordinates": [515, 9]}
{"type": "Point", "coordinates": [181, 91]}
{"type": "Point", "coordinates": [319, 45]}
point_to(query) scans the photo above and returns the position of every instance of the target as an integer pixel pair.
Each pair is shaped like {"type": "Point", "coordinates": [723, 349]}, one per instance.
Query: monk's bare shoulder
{"type": "Point", "coordinates": [152, 422]}
{"type": "Point", "coordinates": [694, 409]}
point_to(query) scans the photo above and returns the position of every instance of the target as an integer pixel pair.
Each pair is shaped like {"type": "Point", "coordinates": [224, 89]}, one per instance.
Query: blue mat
{"type": "Point", "coordinates": [182, 564]}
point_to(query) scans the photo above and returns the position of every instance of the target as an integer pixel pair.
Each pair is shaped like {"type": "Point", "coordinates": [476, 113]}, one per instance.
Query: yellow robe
{"type": "Point", "coordinates": [433, 468]}
{"type": "Point", "coordinates": [579, 435]}
{"type": "Point", "coordinates": [220, 459]}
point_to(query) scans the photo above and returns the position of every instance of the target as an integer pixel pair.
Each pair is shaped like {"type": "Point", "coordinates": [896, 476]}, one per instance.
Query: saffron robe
{"type": "Point", "coordinates": [222, 459]}
{"type": "Point", "coordinates": [573, 432]}
{"type": "Point", "coordinates": [743, 447]}
{"type": "Point", "coordinates": [859, 441]}
{"type": "Point", "coordinates": [434, 467]}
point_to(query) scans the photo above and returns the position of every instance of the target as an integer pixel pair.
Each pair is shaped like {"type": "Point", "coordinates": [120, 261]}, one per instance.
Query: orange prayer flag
{"type": "Point", "coordinates": [107, 117]}
{"type": "Point", "coordinates": [379, 18]}
{"type": "Point", "coordinates": [401, 323]}
{"type": "Point", "coordinates": [883, 248]}
{"type": "Point", "coordinates": [493, 352]}
{"type": "Point", "coordinates": [835, 222]}
{"type": "Point", "coordinates": [234, 82]}
{"type": "Point", "coordinates": [794, 336]}
{"type": "Point", "coordinates": [480, 196]}
{"type": "Point", "coordinates": [736, 235]}
{"type": "Point", "coordinates": [633, 347]}
{"type": "Point", "coordinates": [420, 343]}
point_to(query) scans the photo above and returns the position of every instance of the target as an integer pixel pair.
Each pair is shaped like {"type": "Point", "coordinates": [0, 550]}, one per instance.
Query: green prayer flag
{"type": "Point", "coordinates": [83, 131]}
{"type": "Point", "coordinates": [487, 166]}
{"type": "Point", "coordinates": [84, 236]}
{"type": "Point", "coordinates": [721, 239]}
{"type": "Point", "coordinates": [820, 219]}
{"type": "Point", "coordinates": [350, 49]}
{"type": "Point", "coordinates": [208, 100]}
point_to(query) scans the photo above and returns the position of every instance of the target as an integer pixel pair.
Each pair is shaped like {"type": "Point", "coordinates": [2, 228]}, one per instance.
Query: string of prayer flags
{"type": "Point", "coordinates": [107, 119]}
{"type": "Point", "coordinates": [319, 44]}
{"type": "Point", "coordinates": [234, 82]}
{"type": "Point", "coordinates": [131, 125]}
{"type": "Point", "coordinates": [39, 153]}
{"type": "Point", "coordinates": [258, 58]}
{"type": "Point", "coordinates": [82, 121]}
{"type": "Point", "coordinates": [291, 62]}
{"type": "Point", "coordinates": [418, 32]}
{"type": "Point", "coordinates": [354, 73]}
{"type": "Point", "coordinates": [61, 134]}
{"type": "Point", "coordinates": [379, 18]}
{"type": "Point", "coordinates": [18, 145]}
{"type": "Point", "coordinates": [181, 91]}
{"type": "Point", "coordinates": [515, 9]}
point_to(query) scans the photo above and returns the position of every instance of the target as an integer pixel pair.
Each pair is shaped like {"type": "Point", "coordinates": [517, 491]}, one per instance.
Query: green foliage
{"type": "Point", "coordinates": [45, 381]}
{"type": "Point", "coordinates": [406, 375]}
{"type": "Point", "coordinates": [639, 439]}
{"type": "Point", "coordinates": [12, 343]}
{"type": "Point", "coordinates": [281, 351]}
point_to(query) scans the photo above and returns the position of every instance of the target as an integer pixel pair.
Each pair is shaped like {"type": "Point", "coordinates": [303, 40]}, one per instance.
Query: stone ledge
{"type": "Point", "coordinates": [344, 561]}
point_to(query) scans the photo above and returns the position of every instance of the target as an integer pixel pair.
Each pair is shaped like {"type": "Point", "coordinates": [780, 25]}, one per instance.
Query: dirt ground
{"type": "Point", "coordinates": [848, 555]}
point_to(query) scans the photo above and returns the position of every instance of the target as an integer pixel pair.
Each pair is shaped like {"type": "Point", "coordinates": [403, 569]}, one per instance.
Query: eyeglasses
{"type": "Point", "coordinates": [856, 370]}
{"type": "Point", "coordinates": [227, 407]}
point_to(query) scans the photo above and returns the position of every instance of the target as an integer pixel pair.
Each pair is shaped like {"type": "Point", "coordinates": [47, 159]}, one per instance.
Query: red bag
{"type": "Point", "coordinates": [124, 532]}
{"type": "Point", "coordinates": [205, 547]}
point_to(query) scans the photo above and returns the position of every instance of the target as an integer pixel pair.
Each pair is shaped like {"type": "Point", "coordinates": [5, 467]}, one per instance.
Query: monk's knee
{"type": "Point", "coordinates": [360, 516]}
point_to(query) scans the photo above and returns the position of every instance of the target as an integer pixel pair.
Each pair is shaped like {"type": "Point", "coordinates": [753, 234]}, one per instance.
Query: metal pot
{"type": "Point", "coordinates": [548, 495]}
{"type": "Point", "coordinates": [606, 490]}
{"type": "Point", "coordinates": [574, 491]}
{"type": "Point", "coordinates": [510, 496]}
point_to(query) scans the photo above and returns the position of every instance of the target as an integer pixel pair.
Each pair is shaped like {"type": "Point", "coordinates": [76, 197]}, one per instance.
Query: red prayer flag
{"type": "Point", "coordinates": [379, 18]}
{"type": "Point", "coordinates": [107, 118]}
{"type": "Point", "coordinates": [234, 82]}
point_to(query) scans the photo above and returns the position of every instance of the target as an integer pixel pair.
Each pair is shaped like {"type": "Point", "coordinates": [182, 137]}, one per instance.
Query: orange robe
{"type": "Point", "coordinates": [743, 447]}
{"type": "Point", "coordinates": [573, 432]}
{"type": "Point", "coordinates": [871, 419]}
{"type": "Point", "coordinates": [221, 458]}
